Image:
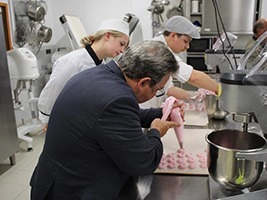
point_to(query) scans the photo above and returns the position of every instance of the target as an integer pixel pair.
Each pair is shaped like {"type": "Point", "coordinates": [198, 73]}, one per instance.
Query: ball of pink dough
{"type": "Point", "coordinates": [202, 160]}
{"type": "Point", "coordinates": [170, 160]}
{"type": "Point", "coordinates": [182, 166]}
{"type": "Point", "coordinates": [189, 155]}
{"type": "Point", "coordinates": [190, 160]}
{"type": "Point", "coordinates": [192, 166]}
{"type": "Point", "coordinates": [161, 166]}
{"type": "Point", "coordinates": [171, 165]}
{"type": "Point", "coordinates": [171, 155]}
{"type": "Point", "coordinates": [180, 161]}
{"type": "Point", "coordinates": [203, 165]}
{"type": "Point", "coordinates": [180, 155]}
{"type": "Point", "coordinates": [201, 155]}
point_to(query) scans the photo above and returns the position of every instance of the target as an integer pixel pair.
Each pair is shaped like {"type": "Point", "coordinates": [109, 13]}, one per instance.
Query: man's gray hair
{"type": "Point", "coordinates": [148, 59]}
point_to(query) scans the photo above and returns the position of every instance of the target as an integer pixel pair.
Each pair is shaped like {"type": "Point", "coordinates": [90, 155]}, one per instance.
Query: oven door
{"type": "Point", "coordinates": [197, 61]}
{"type": "Point", "coordinates": [200, 45]}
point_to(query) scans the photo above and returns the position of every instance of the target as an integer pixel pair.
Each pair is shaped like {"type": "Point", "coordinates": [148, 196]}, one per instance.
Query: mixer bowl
{"type": "Point", "coordinates": [223, 166]}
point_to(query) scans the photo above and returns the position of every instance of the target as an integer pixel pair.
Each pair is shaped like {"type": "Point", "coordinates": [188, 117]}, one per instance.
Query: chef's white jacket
{"type": "Point", "coordinates": [63, 69]}
{"type": "Point", "coordinates": [182, 74]}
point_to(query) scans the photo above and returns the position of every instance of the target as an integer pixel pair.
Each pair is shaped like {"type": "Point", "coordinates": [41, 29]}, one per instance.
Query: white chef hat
{"type": "Point", "coordinates": [115, 25]}
{"type": "Point", "coordinates": [182, 25]}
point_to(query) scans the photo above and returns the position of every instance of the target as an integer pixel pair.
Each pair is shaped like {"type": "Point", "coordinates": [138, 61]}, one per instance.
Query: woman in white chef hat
{"type": "Point", "coordinates": [110, 40]}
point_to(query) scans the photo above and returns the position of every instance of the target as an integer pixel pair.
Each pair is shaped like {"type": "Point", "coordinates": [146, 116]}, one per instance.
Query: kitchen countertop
{"type": "Point", "coordinates": [177, 186]}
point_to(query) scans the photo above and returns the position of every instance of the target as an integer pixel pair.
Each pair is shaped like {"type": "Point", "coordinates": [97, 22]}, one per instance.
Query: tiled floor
{"type": "Point", "coordinates": [14, 180]}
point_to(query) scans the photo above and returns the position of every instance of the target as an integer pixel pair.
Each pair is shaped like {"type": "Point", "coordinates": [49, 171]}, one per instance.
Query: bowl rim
{"type": "Point", "coordinates": [235, 149]}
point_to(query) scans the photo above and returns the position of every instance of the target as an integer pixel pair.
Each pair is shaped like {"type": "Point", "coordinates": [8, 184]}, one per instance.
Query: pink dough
{"type": "Point", "coordinates": [183, 160]}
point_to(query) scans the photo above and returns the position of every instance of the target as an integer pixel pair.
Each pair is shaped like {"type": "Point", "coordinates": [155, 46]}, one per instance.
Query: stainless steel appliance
{"type": "Point", "coordinates": [197, 61]}
{"type": "Point", "coordinates": [243, 96]}
{"type": "Point", "coordinates": [222, 55]}
{"type": "Point", "coordinates": [200, 45]}
{"type": "Point", "coordinates": [224, 167]}
{"type": "Point", "coordinates": [238, 16]}
{"type": "Point", "coordinates": [74, 29]}
{"type": "Point", "coordinates": [196, 54]}
{"type": "Point", "coordinates": [23, 70]}
{"type": "Point", "coordinates": [217, 59]}
{"type": "Point", "coordinates": [8, 136]}
{"type": "Point", "coordinates": [240, 96]}
{"type": "Point", "coordinates": [236, 162]}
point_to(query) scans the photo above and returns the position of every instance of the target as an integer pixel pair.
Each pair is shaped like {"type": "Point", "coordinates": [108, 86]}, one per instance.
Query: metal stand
{"type": "Point", "coordinates": [245, 118]}
{"type": "Point", "coordinates": [257, 191]}
{"type": "Point", "coordinates": [35, 125]}
{"type": "Point", "coordinates": [12, 159]}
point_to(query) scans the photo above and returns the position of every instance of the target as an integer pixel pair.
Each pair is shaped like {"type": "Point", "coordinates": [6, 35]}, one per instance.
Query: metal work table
{"type": "Point", "coordinates": [189, 187]}
{"type": "Point", "coordinates": [169, 187]}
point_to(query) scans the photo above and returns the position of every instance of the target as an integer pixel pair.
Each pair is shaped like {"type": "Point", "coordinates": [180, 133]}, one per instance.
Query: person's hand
{"type": "Point", "coordinates": [163, 126]}
{"type": "Point", "coordinates": [195, 97]}
{"type": "Point", "coordinates": [44, 128]}
{"type": "Point", "coordinates": [200, 95]}
{"type": "Point", "coordinates": [181, 106]}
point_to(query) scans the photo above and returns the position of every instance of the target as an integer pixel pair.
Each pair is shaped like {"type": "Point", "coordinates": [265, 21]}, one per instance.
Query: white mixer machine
{"type": "Point", "coordinates": [23, 70]}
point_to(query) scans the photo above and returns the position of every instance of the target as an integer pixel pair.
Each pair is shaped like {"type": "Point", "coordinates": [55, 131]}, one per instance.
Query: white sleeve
{"type": "Point", "coordinates": [63, 70]}
{"type": "Point", "coordinates": [169, 84]}
{"type": "Point", "coordinates": [184, 72]}
{"type": "Point", "coordinates": [43, 118]}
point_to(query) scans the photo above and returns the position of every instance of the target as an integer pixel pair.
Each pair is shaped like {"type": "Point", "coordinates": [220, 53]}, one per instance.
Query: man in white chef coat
{"type": "Point", "coordinates": [178, 33]}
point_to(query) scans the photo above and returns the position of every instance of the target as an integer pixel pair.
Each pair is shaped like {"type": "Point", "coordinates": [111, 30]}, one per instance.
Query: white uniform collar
{"type": "Point", "coordinates": [162, 39]}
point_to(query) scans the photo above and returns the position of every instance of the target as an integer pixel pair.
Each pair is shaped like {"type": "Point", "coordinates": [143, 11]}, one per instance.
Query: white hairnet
{"type": "Point", "coordinates": [182, 25]}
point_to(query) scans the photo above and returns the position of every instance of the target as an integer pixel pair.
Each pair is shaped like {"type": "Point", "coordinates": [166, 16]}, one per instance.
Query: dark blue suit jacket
{"type": "Point", "coordinates": [94, 140]}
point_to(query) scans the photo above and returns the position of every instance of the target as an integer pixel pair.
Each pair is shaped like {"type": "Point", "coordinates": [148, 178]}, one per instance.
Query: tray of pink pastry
{"type": "Point", "coordinates": [192, 159]}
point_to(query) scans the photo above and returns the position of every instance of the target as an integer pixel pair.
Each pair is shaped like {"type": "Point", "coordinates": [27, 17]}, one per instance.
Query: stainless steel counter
{"type": "Point", "coordinates": [190, 187]}
{"type": "Point", "coordinates": [168, 187]}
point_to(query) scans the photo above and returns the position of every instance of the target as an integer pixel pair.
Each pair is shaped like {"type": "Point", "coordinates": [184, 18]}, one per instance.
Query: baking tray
{"type": "Point", "coordinates": [195, 148]}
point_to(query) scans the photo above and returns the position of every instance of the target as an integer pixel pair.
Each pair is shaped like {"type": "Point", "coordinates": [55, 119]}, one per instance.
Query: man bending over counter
{"type": "Point", "coordinates": [94, 141]}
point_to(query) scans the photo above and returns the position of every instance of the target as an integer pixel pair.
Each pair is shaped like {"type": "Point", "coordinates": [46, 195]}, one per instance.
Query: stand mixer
{"type": "Point", "coordinates": [245, 97]}
{"type": "Point", "coordinates": [23, 70]}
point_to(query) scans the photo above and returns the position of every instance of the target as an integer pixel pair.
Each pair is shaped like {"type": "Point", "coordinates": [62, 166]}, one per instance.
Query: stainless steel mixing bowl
{"type": "Point", "coordinates": [223, 166]}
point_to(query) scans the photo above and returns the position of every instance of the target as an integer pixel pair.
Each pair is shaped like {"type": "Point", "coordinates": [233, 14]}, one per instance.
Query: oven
{"type": "Point", "coordinates": [200, 45]}
{"type": "Point", "coordinates": [196, 53]}
{"type": "Point", "coordinates": [197, 61]}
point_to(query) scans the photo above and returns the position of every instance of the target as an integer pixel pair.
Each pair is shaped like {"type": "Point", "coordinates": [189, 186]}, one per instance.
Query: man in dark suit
{"type": "Point", "coordinates": [94, 140]}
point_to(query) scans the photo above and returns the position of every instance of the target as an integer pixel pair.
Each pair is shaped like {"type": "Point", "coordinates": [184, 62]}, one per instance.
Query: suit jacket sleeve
{"type": "Point", "coordinates": [122, 138]}
{"type": "Point", "coordinates": [148, 115]}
